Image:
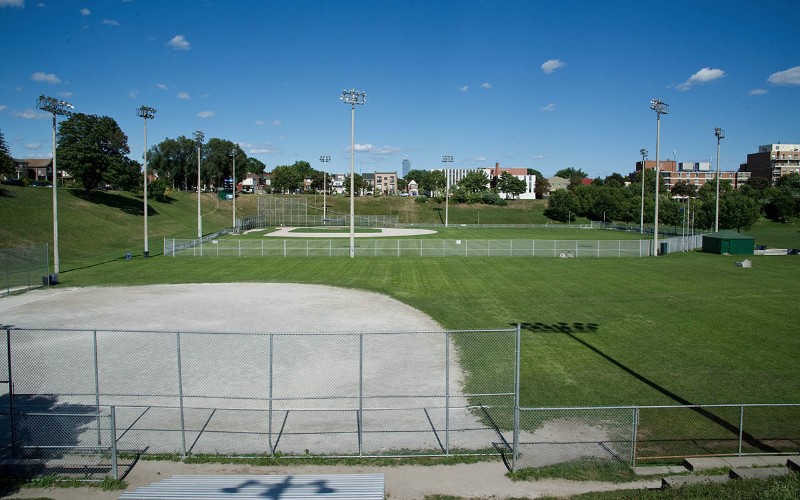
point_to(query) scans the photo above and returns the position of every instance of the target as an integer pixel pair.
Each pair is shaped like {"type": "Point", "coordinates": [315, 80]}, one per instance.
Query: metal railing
{"type": "Point", "coordinates": [23, 268]}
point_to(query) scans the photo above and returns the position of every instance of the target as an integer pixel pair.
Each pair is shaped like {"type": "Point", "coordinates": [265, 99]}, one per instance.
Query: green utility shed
{"type": "Point", "coordinates": [729, 242]}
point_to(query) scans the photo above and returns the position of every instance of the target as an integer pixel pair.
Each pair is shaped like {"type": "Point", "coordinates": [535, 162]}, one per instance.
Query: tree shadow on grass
{"type": "Point", "coordinates": [115, 200]}
{"type": "Point", "coordinates": [571, 329]}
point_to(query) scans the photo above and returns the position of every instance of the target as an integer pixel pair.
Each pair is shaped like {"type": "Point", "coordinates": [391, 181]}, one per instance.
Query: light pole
{"type": "Point", "coordinates": [720, 135]}
{"type": "Point", "coordinates": [198, 137]}
{"type": "Point", "coordinates": [146, 113]}
{"type": "Point", "coordinates": [56, 107]}
{"type": "Point", "coordinates": [324, 160]}
{"type": "Point", "coordinates": [353, 97]}
{"type": "Point", "coordinates": [233, 187]}
{"type": "Point", "coordinates": [642, 152]}
{"type": "Point", "coordinates": [446, 160]}
{"type": "Point", "coordinates": [661, 108]}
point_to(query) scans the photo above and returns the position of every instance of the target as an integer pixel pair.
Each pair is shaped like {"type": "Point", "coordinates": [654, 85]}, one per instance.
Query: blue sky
{"type": "Point", "coordinates": [542, 85]}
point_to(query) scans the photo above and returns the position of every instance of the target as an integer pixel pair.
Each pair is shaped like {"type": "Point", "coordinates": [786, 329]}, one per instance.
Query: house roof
{"type": "Point", "coordinates": [35, 162]}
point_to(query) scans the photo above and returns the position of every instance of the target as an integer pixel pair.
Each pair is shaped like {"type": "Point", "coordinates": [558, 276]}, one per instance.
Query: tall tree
{"type": "Point", "coordinates": [286, 179]}
{"type": "Point", "coordinates": [542, 187]}
{"type": "Point", "coordinates": [89, 146]}
{"type": "Point", "coordinates": [570, 172]}
{"type": "Point", "coordinates": [475, 182]}
{"type": "Point", "coordinates": [510, 185]}
{"type": "Point", "coordinates": [6, 162]}
{"type": "Point", "coordinates": [218, 163]}
{"type": "Point", "coordinates": [254, 166]}
{"type": "Point", "coordinates": [175, 160]}
{"type": "Point", "coordinates": [562, 206]}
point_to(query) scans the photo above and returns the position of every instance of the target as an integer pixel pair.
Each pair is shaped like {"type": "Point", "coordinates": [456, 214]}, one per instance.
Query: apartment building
{"type": "Point", "coordinates": [695, 173]}
{"type": "Point", "coordinates": [773, 161]}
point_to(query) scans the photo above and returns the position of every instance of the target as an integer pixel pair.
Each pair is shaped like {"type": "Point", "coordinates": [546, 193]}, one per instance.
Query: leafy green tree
{"type": "Point", "coordinates": [474, 182]}
{"type": "Point", "coordinates": [89, 146]}
{"type": "Point", "coordinates": [510, 185]}
{"type": "Point", "coordinates": [684, 189]}
{"type": "Point", "coordinates": [436, 182]}
{"type": "Point", "coordinates": [176, 161]}
{"type": "Point", "coordinates": [254, 166]}
{"type": "Point", "coordinates": [542, 187]}
{"type": "Point", "coordinates": [570, 172]}
{"type": "Point", "coordinates": [286, 179]}
{"type": "Point", "coordinates": [533, 171]}
{"type": "Point", "coordinates": [790, 181]}
{"type": "Point", "coordinates": [781, 204]}
{"type": "Point", "coordinates": [738, 211]}
{"type": "Point", "coordinates": [708, 191]}
{"type": "Point", "coordinates": [758, 183]}
{"type": "Point", "coordinates": [218, 164]}
{"type": "Point", "coordinates": [615, 180]}
{"type": "Point", "coordinates": [358, 184]}
{"type": "Point", "coordinates": [561, 206]}
{"type": "Point", "coordinates": [6, 161]}
{"type": "Point", "coordinates": [126, 175]}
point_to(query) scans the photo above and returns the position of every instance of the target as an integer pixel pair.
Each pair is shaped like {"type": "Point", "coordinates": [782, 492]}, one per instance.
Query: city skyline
{"type": "Point", "coordinates": [542, 85]}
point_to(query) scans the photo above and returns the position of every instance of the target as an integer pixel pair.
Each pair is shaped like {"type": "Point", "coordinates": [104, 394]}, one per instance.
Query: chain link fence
{"type": "Point", "coordinates": [23, 268]}
{"type": "Point", "coordinates": [258, 394]}
{"type": "Point", "coordinates": [383, 247]}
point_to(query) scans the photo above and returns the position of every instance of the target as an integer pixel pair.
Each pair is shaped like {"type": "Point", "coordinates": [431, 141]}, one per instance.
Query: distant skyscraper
{"type": "Point", "coordinates": [406, 166]}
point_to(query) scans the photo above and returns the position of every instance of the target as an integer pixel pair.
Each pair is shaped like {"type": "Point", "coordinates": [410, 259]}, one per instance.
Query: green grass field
{"type": "Point", "coordinates": [685, 328]}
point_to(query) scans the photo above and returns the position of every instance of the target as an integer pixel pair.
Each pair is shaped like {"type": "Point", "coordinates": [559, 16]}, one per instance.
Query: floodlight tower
{"type": "Point", "coordinates": [720, 135]}
{"type": "Point", "coordinates": [642, 152]}
{"type": "Point", "coordinates": [233, 187]}
{"type": "Point", "coordinates": [324, 160]}
{"type": "Point", "coordinates": [353, 97]}
{"type": "Point", "coordinates": [147, 113]}
{"type": "Point", "coordinates": [446, 160]}
{"type": "Point", "coordinates": [198, 137]}
{"type": "Point", "coordinates": [661, 108]}
{"type": "Point", "coordinates": [56, 107]}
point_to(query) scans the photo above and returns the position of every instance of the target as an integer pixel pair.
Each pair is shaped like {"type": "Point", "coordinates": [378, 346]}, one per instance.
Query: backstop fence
{"type": "Point", "coordinates": [384, 247]}
{"type": "Point", "coordinates": [23, 268]}
{"type": "Point", "coordinates": [88, 402]}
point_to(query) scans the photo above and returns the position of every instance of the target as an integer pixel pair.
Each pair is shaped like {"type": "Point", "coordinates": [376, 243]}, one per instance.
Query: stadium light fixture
{"type": "Point", "coordinates": [147, 113]}
{"type": "Point", "coordinates": [720, 135]}
{"type": "Point", "coordinates": [198, 137]}
{"type": "Point", "coordinates": [446, 160]}
{"type": "Point", "coordinates": [642, 152]}
{"type": "Point", "coordinates": [353, 97]}
{"type": "Point", "coordinates": [661, 108]}
{"type": "Point", "coordinates": [63, 108]}
{"type": "Point", "coordinates": [324, 160]}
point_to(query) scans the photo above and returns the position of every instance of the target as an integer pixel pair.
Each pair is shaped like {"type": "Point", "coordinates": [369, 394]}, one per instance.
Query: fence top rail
{"type": "Point", "coordinates": [264, 333]}
{"type": "Point", "coordinates": [649, 407]}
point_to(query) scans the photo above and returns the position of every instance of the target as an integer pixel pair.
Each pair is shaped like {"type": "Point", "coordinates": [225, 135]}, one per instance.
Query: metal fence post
{"type": "Point", "coordinates": [180, 395]}
{"type": "Point", "coordinates": [360, 393]}
{"type": "Point", "coordinates": [11, 394]}
{"type": "Point", "coordinates": [741, 427]}
{"type": "Point", "coordinates": [113, 431]}
{"type": "Point", "coordinates": [447, 394]}
{"type": "Point", "coordinates": [96, 384]}
{"type": "Point", "coordinates": [515, 453]}
{"type": "Point", "coordinates": [635, 435]}
{"type": "Point", "coordinates": [271, 448]}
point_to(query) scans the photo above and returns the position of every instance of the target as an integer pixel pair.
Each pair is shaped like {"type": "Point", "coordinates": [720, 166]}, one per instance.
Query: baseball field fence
{"type": "Point", "coordinates": [23, 268]}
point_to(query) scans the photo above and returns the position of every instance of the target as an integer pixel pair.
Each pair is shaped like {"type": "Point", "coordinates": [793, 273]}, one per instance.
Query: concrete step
{"type": "Point", "coordinates": [677, 481]}
{"type": "Point", "coordinates": [793, 463]}
{"type": "Point", "coordinates": [704, 463]}
{"type": "Point", "coordinates": [758, 472]}
{"type": "Point", "coordinates": [655, 470]}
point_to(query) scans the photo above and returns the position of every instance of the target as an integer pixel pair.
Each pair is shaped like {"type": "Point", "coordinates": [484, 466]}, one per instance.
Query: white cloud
{"type": "Point", "coordinates": [3, 107]}
{"type": "Point", "coordinates": [790, 76]}
{"type": "Point", "coordinates": [110, 22]}
{"type": "Point", "coordinates": [85, 12]}
{"type": "Point", "coordinates": [463, 89]}
{"type": "Point", "coordinates": [33, 145]}
{"type": "Point", "coordinates": [41, 76]}
{"type": "Point", "coordinates": [257, 151]}
{"type": "Point", "coordinates": [480, 158]}
{"type": "Point", "coordinates": [161, 86]}
{"type": "Point", "coordinates": [276, 123]}
{"type": "Point", "coordinates": [705, 75]}
{"type": "Point", "coordinates": [486, 85]}
{"type": "Point", "coordinates": [30, 114]}
{"type": "Point", "coordinates": [205, 114]}
{"type": "Point", "coordinates": [551, 65]}
{"type": "Point", "coordinates": [386, 150]}
{"type": "Point", "coordinates": [363, 148]}
{"type": "Point", "coordinates": [66, 94]}
{"type": "Point", "coordinates": [133, 93]}
{"type": "Point", "coordinates": [539, 157]}
{"type": "Point", "coordinates": [185, 96]}
{"type": "Point", "coordinates": [12, 3]}
{"type": "Point", "coordinates": [179, 42]}
{"type": "Point", "coordinates": [549, 107]}
{"type": "Point", "coordinates": [758, 92]}
{"type": "Point", "coordinates": [41, 5]}
{"type": "Point", "coordinates": [259, 122]}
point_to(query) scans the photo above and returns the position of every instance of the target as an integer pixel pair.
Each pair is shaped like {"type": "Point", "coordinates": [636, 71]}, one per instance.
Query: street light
{"type": "Point", "coordinates": [446, 159]}
{"type": "Point", "coordinates": [324, 160]}
{"type": "Point", "coordinates": [56, 107]}
{"type": "Point", "coordinates": [198, 137]}
{"type": "Point", "coordinates": [661, 108]}
{"type": "Point", "coordinates": [642, 152]}
{"type": "Point", "coordinates": [233, 187]}
{"type": "Point", "coordinates": [353, 97]}
{"type": "Point", "coordinates": [720, 135]}
{"type": "Point", "coordinates": [146, 113]}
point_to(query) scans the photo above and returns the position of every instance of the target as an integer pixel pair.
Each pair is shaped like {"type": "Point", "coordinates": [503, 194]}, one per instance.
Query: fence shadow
{"type": "Point", "coordinates": [115, 200]}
